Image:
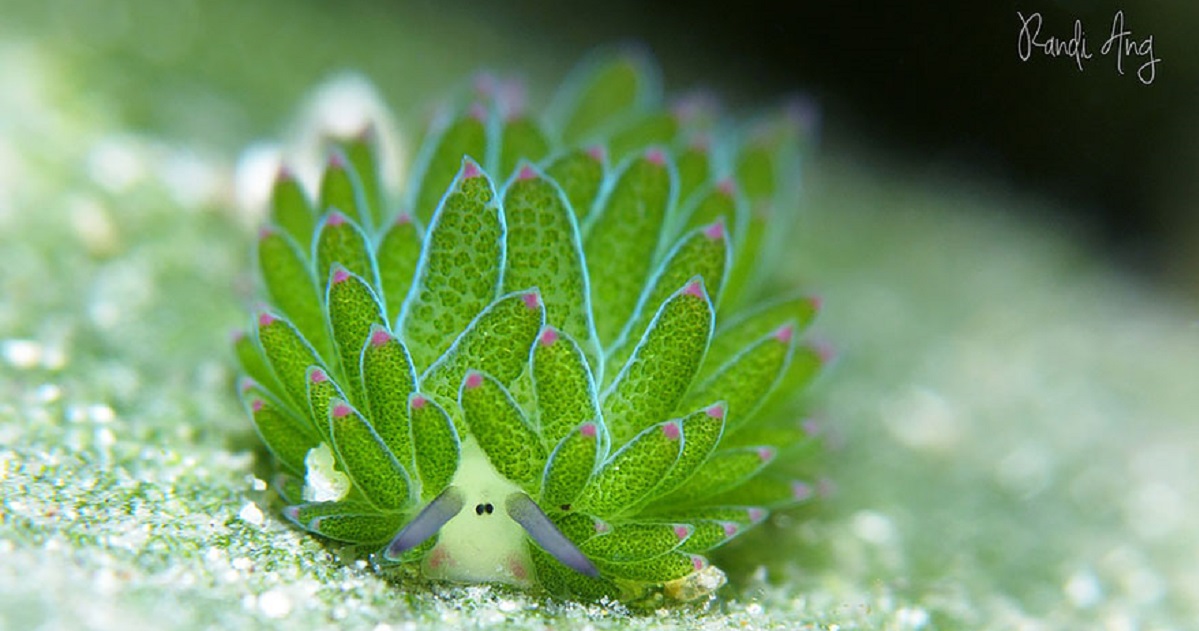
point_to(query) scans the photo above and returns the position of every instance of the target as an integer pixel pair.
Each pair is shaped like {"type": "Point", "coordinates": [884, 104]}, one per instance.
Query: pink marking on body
{"type": "Point", "coordinates": [518, 569]}
{"type": "Point", "coordinates": [341, 410]}
{"type": "Point", "coordinates": [727, 187]}
{"type": "Point", "coordinates": [671, 430]}
{"type": "Point", "coordinates": [756, 514]}
{"type": "Point", "coordinates": [766, 454]}
{"type": "Point", "coordinates": [801, 490]}
{"type": "Point", "coordinates": [682, 531]}
{"type": "Point", "coordinates": [266, 319]}
{"type": "Point", "coordinates": [335, 219]}
{"type": "Point", "coordinates": [695, 288]}
{"type": "Point", "coordinates": [655, 155]}
{"type": "Point", "coordinates": [526, 173]}
{"type": "Point", "coordinates": [318, 376]}
{"type": "Point", "coordinates": [698, 562]}
{"type": "Point", "coordinates": [588, 430]}
{"type": "Point", "coordinates": [478, 111]}
{"type": "Point", "coordinates": [256, 405]}
{"type": "Point", "coordinates": [548, 336]}
{"type": "Point", "coordinates": [602, 526]}
{"type": "Point", "coordinates": [437, 557]}
{"type": "Point", "coordinates": [380, 337]}
{"type": "Point", "coordinates": [716, 411]}
{"type": "Point", "coordinates": [403, 218]}
{"type": "Point", "coordinates": [785, 333]}
{"type": "Point", "coordinates": [340, 275]}
{"type": "Point", "coordinates": [418, 402]}
{"type": "Point", "coordinates": [597, 152]}
{"type": "Point", "coordinates": [715, 231]}
{"type": "Point", "coordinates": [730, 528]}
{"type": "Point", "coordinates": [292, 513]}
{"type": "Point", "coordinates": [470, 170]}
{"type": "Point", "coordinates": [473, 380]}
{"type": "Point", "coordinates": [532, 299]}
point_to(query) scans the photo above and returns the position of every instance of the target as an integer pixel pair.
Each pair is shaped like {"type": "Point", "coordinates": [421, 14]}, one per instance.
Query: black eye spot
{"type": "Point", "coordinates": [488, 508]}
{"type": "Point", "coordinates": [479, 509]}
{"type": "Point", "coordinates": [565, 507]}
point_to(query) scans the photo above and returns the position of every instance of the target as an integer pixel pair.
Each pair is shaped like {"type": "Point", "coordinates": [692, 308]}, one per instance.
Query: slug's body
{"type": "Point", "coordinates": [547, 371]}
{"type": "Point", "coordinates": [481, 544]}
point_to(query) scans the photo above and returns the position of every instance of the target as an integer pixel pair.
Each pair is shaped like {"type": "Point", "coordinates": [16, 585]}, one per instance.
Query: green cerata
{"type": "Point", "coordinates": [553, 360]}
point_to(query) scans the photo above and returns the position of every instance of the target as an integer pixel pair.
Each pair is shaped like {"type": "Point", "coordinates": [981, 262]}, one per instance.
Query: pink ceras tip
{"type": "Point", "coordinates": [588, 430]}
{"type": "Point", "coordinates": [319, 376]}
{"type": "Point", "coordinates": [283, 174]}
{"type": "Point", "coordinates": [336, 160]}
{"type": "Point", "coordinates": [715, 231]}
{"type": "Point", "coordinates": [474, 380]}
{"type": "Point", "coordinates": [729, 527]}
{"type": "Point", "coordinates": [656, 156]}
{"type": "Point", "coordinates": [548, 336]}
{"type": "Point", "coordinates": [766, 454]}
{"type": "Point", "coordinates": [266, 319]}
{"type": "Point", "coordinates": [694, 288]}
{"type": "Point", "coordinates": [817, 302]}
{"type": "Point", "coordinates": [785, 333]}
{"type": "Point", "coordinates": [801, 490]}
{"type": "Point", "coordinates": [602, 526]}
{"type": "Point", "coordinates": [265, 232]}
{"type": "Point", "coordinates": [478, 112]}
{"type": "Point", "coordinates": [470, 170]}
{"type": "Point", "coordinates": [597, 152]}
{"type": "Point", "coordinates": [682, 531]}
{"type": "Point", "coordinates": [341, 410]}
{"type": "Point", "coordinates": [380, 337]}
{"type": "Point", "coordinates": [716, 411]}
{"type": "Point", "coordinates": [756, 514]}
{"type": "Point", "coordinates": [671, 430]}
{"type": "Point", "coordinates": [418, 402]}
{"type": "Point", "coordinates": [246, 384]}
{"type": "Point", "coordinates": [824, 350]}
{"type": "Point", "coordinates": [335, 219]}
{"type": "Point", "coordinates": [256, 405]}
{"type": "Point", "coordinates": [340, 275]}
{"type": "Point", "coordinates": [698, 562]}
{"type": "Point", "coordinates": [485, 84]}
{"type": "Point", "coordinates": [727, 187]}
{"type": "Point", "coordinates": [532, 299]}
{"type": "Point", "coordinates": [526, 173]}
{"type": "Point", "coordinates": [403, 219]}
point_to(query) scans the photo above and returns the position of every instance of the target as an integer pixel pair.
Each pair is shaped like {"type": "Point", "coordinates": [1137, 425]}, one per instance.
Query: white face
{"type": "Point", "coordinates": [481, 543]}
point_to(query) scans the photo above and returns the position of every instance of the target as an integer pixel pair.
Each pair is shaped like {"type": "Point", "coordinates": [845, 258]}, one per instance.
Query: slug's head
{"type": "Point", "coordinates": [485, 542]}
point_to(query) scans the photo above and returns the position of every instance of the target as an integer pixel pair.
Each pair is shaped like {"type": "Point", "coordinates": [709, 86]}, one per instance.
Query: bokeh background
{"type": "Point", "coordinates": [1007, 253]}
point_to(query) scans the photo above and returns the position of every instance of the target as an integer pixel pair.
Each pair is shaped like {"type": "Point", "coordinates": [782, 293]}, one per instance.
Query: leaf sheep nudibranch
{"type": "Point", "coordinates": [550, 362]}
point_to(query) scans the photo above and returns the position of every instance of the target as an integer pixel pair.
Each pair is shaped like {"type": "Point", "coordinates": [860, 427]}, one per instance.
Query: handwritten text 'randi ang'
{"type": "Point", "coordinates": [1120, 42]}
